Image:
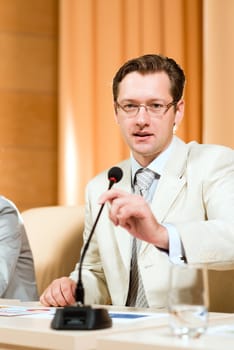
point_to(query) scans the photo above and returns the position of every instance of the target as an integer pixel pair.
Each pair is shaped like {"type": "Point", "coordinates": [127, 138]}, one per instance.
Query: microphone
{"type": "Point", "coordinates": [80, 317]}
{"type": "Point", "coordinates": [114, 175]}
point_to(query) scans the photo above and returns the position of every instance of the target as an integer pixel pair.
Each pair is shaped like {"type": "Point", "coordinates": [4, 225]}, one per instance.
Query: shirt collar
{"type": "Point", "coordinates": [157, 165]}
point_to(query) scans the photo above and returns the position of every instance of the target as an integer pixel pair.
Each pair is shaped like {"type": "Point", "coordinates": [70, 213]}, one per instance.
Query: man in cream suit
{"type": "Point", "coordinates": [188, 216]}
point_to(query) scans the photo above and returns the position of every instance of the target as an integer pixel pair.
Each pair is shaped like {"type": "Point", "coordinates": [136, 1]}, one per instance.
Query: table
{"type": "Point", "coordinates": [160, 338]}
{"type": "Point", "coordinates": [32, 332]}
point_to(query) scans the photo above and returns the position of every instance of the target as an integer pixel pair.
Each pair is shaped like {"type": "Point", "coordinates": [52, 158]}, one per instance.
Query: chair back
{"type": "Point", "coordinates": [55, 235]}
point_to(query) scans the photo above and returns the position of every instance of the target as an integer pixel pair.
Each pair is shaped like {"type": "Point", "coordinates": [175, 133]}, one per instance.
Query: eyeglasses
{"type": "Point", "coordinates": [154, 109]}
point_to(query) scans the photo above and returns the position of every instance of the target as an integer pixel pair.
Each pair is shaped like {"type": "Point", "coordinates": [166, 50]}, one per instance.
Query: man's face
{"type": "Point", "coordinates": [147, 135]}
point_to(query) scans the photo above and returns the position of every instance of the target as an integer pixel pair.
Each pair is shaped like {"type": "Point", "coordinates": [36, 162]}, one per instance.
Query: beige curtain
{"type": "Point", "coordinates": [96, 37]}
{"type": "Point", "coordinates": [218, 121]}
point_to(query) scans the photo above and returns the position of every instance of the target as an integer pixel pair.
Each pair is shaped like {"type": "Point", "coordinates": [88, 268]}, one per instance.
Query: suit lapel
{"type": "Point", "coordinates": [170, 184]}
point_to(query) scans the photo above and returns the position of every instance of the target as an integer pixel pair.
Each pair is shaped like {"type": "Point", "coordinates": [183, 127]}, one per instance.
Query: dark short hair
{"type": "Point", "coordinates": [152, 63]}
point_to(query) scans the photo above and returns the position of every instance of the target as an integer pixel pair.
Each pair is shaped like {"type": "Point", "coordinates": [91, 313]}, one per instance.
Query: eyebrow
{"type": "Point", "coordinates": [147, 101]}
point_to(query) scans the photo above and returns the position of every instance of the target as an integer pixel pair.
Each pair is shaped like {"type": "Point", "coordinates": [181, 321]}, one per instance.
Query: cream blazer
{"type": "Point", "coordinates": [195, 193]}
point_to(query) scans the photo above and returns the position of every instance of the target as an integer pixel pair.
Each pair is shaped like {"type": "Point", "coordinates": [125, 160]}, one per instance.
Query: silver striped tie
{"type": "Point", "coordinates": [136, 295]}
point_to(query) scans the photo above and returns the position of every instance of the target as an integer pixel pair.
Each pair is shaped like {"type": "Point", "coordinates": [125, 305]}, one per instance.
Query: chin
{"type": "Point", "coordinates": [149, 156]}
{"type": "Point", "coordinates": [144, 150]}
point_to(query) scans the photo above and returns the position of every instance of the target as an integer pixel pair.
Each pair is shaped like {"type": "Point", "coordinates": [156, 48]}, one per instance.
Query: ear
{"type": "Point", "coordinates": [179, 112]}
{"type": "Point", "coordinates": [116, 114]}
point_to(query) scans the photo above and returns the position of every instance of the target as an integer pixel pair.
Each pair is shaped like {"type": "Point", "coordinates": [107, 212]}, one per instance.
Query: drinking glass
{"type": "Point", "coordinates": [188, 300]}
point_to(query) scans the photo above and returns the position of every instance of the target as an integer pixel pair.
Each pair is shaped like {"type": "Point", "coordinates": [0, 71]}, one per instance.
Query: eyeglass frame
{"type": "Point", "coordinates": [167, 107]}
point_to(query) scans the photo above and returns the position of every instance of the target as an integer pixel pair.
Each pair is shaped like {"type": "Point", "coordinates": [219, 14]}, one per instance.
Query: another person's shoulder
{"type": "Point", "coordinates": [11, 221]}
{"type": "Point", "coordinates": [6, 205]}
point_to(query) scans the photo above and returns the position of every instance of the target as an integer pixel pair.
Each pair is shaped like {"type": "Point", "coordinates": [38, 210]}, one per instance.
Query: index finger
{"type": "Point", "coordinates": [110, 195]}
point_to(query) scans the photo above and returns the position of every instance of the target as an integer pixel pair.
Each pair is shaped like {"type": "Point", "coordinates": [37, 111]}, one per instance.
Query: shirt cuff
{"type": "Point", "coordinates": [176, 250]}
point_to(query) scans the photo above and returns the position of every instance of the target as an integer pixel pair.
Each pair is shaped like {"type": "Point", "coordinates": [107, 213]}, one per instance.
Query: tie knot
{"type": "Point", "coordinates": [144, 178]}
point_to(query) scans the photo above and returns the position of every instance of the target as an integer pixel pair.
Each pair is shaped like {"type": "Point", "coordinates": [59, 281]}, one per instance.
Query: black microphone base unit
{"type": "Point", "coordinates": [81, 318]}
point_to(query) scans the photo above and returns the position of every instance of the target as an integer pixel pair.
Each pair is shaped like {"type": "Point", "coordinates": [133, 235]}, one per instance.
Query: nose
{"type": "Point", "coordinates": [142, 117]}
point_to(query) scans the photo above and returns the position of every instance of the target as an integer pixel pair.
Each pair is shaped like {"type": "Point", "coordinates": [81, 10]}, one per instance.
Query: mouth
{"type": "Point", "coordinates": [142, 134]}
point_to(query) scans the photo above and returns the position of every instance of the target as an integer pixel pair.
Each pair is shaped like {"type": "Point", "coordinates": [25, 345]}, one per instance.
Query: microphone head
{"type": "Point", "coordinates": [115, 174]}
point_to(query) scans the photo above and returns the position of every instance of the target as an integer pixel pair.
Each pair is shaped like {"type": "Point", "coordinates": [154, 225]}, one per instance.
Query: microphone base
{"type": "Point", "coordinates": [81, 318]}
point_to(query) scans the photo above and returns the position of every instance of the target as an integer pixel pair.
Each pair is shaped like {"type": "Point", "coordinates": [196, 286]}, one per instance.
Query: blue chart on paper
{"type": "Point", "coordinates": [126, 315]}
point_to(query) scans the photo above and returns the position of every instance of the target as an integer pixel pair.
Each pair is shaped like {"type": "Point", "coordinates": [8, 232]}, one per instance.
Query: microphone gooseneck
{"type": "Point", "coordinates": [114, 175]}
{"type": "Point", "coordinates": [79, 316]}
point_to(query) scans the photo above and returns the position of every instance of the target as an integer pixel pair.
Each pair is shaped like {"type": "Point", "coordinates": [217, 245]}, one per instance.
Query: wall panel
{"type": "Point", "coordinates": [28, 120]}
{"type": "Point", "coordinates": [28, 176]}
{"type": "Point", "coordinates": [29, 16]}
{"type": "Point", "coordinates": [28, 101]}
{"type": "Point", "coordinates": [28, 62]}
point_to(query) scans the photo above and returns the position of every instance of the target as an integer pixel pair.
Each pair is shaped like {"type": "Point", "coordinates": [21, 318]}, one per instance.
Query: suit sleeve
{"type": "Point", "coordinates": [10, 241]}
{"type": "Point", "coordinates": [211, 240]}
